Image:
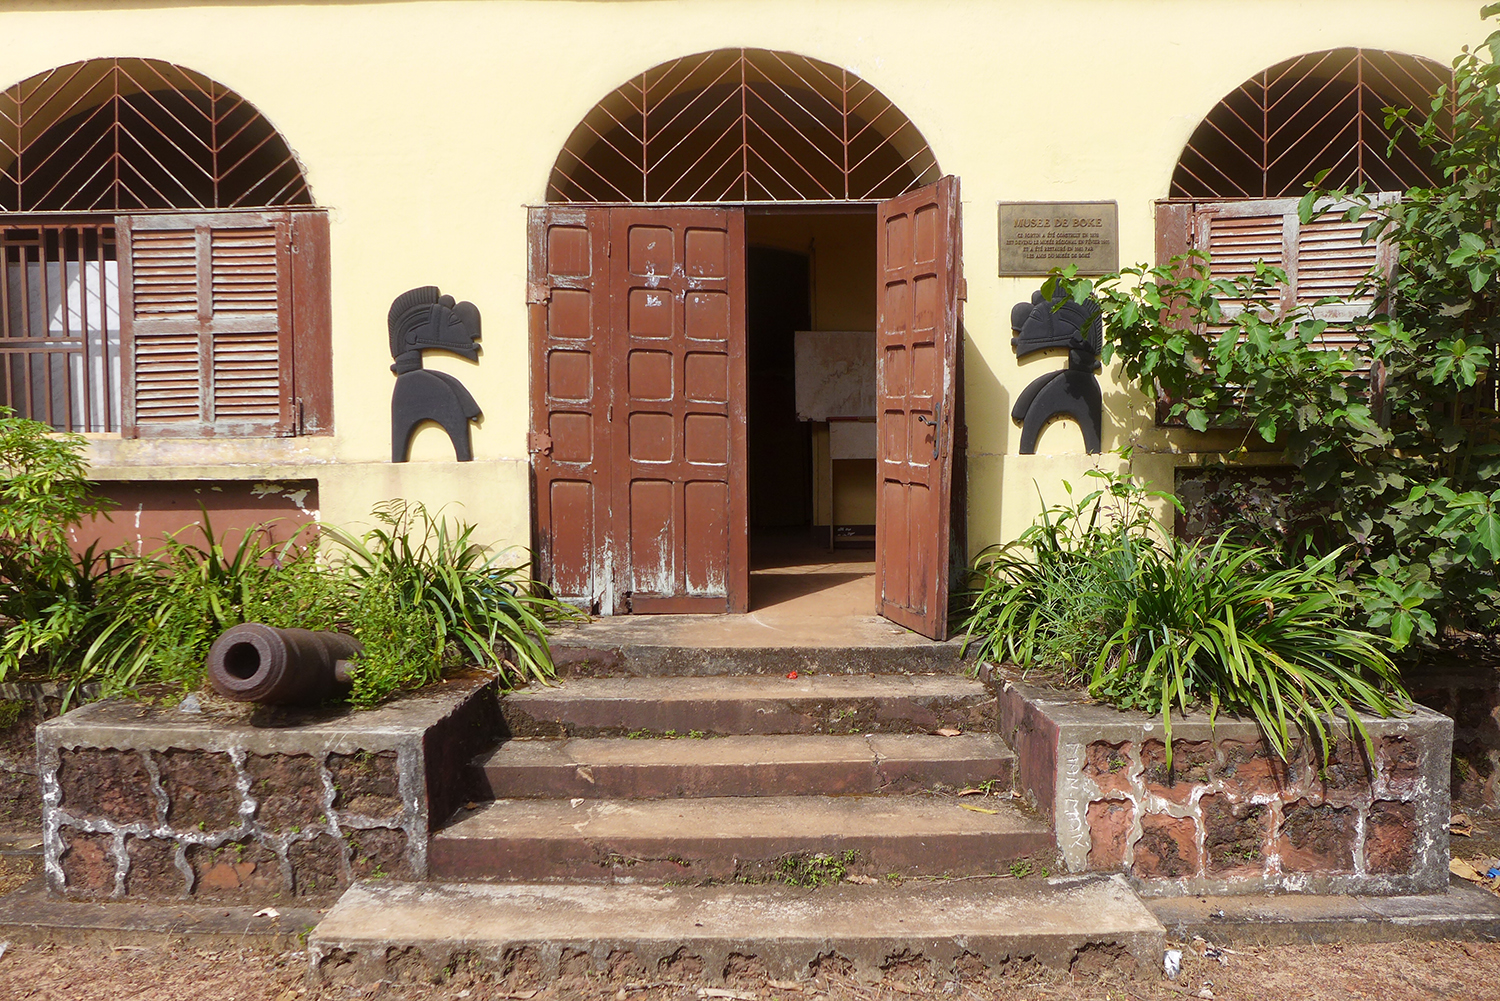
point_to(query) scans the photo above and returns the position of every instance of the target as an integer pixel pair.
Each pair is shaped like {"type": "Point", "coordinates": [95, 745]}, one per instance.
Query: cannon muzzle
{"type": "Point", "coordinates": [255, 663]}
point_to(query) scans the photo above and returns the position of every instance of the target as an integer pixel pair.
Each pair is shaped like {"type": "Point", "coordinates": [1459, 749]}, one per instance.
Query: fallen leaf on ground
{"type": "Point", "coordinates": [714, 992]}
{"type": "Point", "coordinates": [945, 732]}
{"type": "Point", "coordinates": [1464, 870]}
{"type": "Point", "coordinates": [267, 912]}
{"type": "Point", "coordinates": [977, 809]}
{"type": "Point", "coordinates": [971, 792]}
{"type": "Point", "coordinates": [1460, 824]}
{"type": "Point", "coordinates": [861, 880]}
{"type": "Point", "coordinates": [784, 985]}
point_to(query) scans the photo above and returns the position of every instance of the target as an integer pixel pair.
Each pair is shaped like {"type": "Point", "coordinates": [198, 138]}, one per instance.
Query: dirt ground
{"type": "Point", "coordinates": [1464, 971]}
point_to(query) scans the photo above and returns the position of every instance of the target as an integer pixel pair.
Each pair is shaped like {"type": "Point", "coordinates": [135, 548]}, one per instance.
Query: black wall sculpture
{"type": "Point", "coordinates": [422, 320]}
{"type": "Point", "coordinates": [1059, 322]}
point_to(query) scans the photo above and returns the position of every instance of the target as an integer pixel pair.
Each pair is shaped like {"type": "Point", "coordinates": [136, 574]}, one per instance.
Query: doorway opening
{"type": "Point", "coordinates": [810, 411]}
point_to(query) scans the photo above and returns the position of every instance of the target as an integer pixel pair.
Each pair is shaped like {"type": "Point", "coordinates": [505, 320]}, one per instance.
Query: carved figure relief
{"type": "Point", "coordinates": [422, 320]}
{"type": "Point", "coordinates": [1059, 322]}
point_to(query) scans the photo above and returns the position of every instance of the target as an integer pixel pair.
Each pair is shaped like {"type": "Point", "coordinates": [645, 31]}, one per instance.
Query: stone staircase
{"type": "Point", "coordinates": [741, 815]}
{"type": "Point", "coordinates": [727, 779]}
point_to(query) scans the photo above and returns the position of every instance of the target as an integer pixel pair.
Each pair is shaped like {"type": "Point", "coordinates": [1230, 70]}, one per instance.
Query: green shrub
{"type": "Point", "coordinates": [47, 596]}
{"type": "Point", "coordinates": [418, 593]}
{"type": "Point", "coordinates": [165, 609]}
{"type": "Point", "coordinates": [1221, 627]}
{"type": "Point", "coordinates": [429, 596]}
{"type": "Point", "coordinates": [1034, 601]}
{"type": "Point", "coordinates": [1093, 593]}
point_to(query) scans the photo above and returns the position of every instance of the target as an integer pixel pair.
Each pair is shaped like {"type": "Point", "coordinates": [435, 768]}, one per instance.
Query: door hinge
{"type": "Point", "coordinates": [539, 443]}
{"type": "Point", "coordinates": [963, 290]}
{"type": "Point", "coordinates": [537, 293]}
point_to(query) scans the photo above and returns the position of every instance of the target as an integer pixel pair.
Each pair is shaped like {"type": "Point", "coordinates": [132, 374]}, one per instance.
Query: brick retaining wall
{"type": "Point", "coordinates": [1228, 815]}
{"type": "Point", "coordinates": [247, 804]}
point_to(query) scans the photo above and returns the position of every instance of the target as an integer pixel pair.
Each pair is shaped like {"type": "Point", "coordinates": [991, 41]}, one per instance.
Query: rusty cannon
{"type": "Point", "coordinates": [256, 663]}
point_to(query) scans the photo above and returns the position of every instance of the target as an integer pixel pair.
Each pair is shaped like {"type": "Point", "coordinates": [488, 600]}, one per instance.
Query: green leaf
{"type": "Point", "coordinates": [1197, 420]}
{"type": "Point", "coordinates": [1487, 533]}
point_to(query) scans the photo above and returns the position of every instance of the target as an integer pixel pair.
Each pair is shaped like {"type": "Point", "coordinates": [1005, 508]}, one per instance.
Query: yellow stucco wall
{"type": "Point", "coordinates": [427, 127]}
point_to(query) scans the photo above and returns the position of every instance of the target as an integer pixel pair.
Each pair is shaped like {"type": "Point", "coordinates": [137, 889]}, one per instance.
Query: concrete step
{"type": "Point", "coordinates": [793, 765]}
{"type": "Point", "coordinates": [733, 838]}
{"type": "Point", "coordinates": [809, 704]}
{"type": "Point", "coordinates": [530, 935]}
{"type": "Point", "coordinates": [758, 643]}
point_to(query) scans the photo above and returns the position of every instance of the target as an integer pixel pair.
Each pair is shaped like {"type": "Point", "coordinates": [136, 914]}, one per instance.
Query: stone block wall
{"type": "Point", "coordinates": [23, 706]}
{"type": "Point", "coordinates": [1464, 683]}
{"type": "Point", "coordinates": [1228, 815]}
{"type": "Point", "coordinates": [249, 805]}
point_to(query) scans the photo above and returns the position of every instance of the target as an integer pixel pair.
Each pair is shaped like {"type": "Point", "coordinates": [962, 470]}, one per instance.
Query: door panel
{"type": "Point", "coordinates": [568, 296]}
{"type": "Point", "coordinates": [678, 348]}
{"type": "Point", "coordinates": [918, 243]}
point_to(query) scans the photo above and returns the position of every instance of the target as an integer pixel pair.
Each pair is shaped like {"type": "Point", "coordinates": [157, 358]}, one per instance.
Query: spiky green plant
{"type": "Point", "coordinates": [166, 608]}
{"type": "Point", "coordinates": [1220, 626]}
{"type": "Point", "coordinates": [429, 595]}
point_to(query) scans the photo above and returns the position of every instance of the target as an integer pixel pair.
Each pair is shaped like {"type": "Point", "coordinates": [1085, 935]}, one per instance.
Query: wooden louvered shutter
{"type": "Point", "coordinates": [1322, 258]}
{"type": "Point", "coordinates": [206, 324]}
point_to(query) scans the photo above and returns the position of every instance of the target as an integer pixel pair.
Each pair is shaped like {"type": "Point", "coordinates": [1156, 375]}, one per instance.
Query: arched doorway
{"type": "Point", "coordinates": [652, 438]}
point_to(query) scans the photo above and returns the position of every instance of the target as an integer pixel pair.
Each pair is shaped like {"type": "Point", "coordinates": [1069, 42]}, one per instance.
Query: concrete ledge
{"type": "Point", "coordinates": [701, 934]}
{"type": "Point", "coordinates": [32, 916]}
{"type": "Point", "coordinates": [1229, 816]}
{"type": "Point", "coordinates": [1464, 912]}
{"type": "Point", "coordinates": [245, 804]}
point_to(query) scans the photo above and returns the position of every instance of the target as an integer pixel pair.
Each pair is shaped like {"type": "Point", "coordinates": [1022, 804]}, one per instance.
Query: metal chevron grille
{"type": "Point", "coordinates": [1324, 110]}
{"type": "Point", "coordinates": [742, 125]}
{"type": "Point", "coordinates": [125, 134]}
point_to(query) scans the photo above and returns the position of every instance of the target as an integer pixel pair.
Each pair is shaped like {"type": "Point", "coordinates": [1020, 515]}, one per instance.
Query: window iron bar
{"type": "Point", "coordinates": [805, 131]}
{"type": "Point", "coordinates": [1332, 98]}
{"type": "Point", "coordinates": [167, 138]}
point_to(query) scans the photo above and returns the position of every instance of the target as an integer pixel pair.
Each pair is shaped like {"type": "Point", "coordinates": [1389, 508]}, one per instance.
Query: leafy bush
{"type": "Point", "coordinates": [1034, 601]}
{"type": "Point", "coordinates": [47, 597]}
{"type": "Point", "coordinates": [1396, 439]}
{"type": "Point", "coordinates": [1220, 626]}
{"type": "Point", "coordinates": [419, 593]}
{"type": "Point", "coordinates": [1159, 624]}
{"type": "Point", "coordinates": [166, 609]}
{"type": "Point", "coordinates": [429, 596]}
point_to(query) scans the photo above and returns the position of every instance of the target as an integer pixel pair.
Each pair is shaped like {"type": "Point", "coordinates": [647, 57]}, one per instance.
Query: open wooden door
{"type": "Point", "coordinates": [638, 407]}
{"type": "Point", "coordinates": [919, 272]}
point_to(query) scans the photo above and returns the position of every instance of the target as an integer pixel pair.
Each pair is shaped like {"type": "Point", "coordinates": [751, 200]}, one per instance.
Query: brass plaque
{"type": "Point", "coordinates": [1036, 237]}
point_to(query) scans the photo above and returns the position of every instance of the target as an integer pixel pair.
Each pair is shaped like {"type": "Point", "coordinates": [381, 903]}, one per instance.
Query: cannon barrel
{"type": "Point", "coordinates": [256, 663]}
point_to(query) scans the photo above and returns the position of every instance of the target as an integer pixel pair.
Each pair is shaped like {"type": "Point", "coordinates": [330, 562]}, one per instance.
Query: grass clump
{"type": "Point", "coordinates": [1095, 595]}
{"type": "Point", "coordinates": [814, 869]}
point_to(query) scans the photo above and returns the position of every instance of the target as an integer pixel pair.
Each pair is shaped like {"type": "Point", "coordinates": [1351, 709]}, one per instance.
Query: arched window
{"type": "Point", "coordinates": [121, 315]}
{"type": "Point", "coordinates": [742, 125]}
{"type": "Point", "coordinates": [1322, 111]}
{"type": "Point", "coordinates": [1235, 191]}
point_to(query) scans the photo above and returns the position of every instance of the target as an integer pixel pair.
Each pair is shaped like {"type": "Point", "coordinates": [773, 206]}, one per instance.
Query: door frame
{"type": "Point", "coordinates": [609, 598]}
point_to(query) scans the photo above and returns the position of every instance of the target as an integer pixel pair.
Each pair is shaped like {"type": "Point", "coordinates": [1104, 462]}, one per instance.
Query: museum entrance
{"type": "Point", "coordinates": [810, 380]}
{"type": "Point", "coordinates": [661, 451]}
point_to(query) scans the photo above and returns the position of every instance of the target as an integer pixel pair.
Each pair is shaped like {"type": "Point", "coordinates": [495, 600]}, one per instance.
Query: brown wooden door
{"type": "Point", "coordinates": [677, 302]}
{"type": "Point", "coordinates": [568, 296]}
{"type": "Point", "coordinates": [638, 407]}
{"type": "Point", "coordinates": [919, 272]}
